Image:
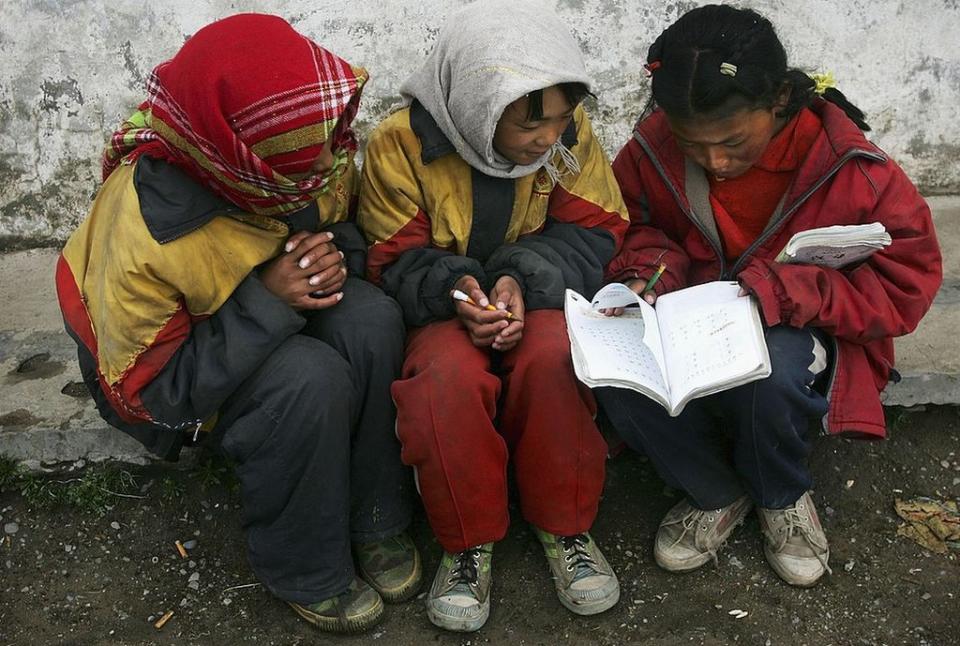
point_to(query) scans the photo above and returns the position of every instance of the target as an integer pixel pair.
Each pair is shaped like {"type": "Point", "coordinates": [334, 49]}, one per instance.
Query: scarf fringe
{"type": "Point", "coordinates": [571, 166]}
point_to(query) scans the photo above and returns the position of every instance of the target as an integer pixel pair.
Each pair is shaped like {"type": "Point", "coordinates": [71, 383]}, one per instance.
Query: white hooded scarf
{"type": "Point", "coordinates": [489, 54]}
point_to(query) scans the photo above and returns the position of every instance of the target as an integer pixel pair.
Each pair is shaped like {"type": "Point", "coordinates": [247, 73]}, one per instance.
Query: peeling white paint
{"type": "Point", "coordinates": [71, 70]}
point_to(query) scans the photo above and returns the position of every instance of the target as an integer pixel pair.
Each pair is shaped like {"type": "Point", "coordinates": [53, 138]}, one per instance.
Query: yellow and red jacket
{"type": "Point", "coordinates": [419, 202]}
{"type": "Point", "coordinates": [157, 288]}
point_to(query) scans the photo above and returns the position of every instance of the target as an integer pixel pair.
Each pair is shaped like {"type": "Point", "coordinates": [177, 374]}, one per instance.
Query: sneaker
{"type": "Point", "coordinates": [585, 581]}
{"type": "Point", "coordinates": [795, 544]}
{"type": "Point", "coordinates": [459, 599]}
{"type": "Point", "coordinates": [353, 611]}
{"type": "Point", "coordinates": [689, 537]}
{"type": "Point", "coordinates": [391, 567]}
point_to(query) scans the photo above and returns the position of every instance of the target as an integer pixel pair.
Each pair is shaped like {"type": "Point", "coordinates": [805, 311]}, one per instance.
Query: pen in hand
{"type": "Point", "coordinates": [653, 279]}
{"type": "Point", "coordinates": [460, 296]}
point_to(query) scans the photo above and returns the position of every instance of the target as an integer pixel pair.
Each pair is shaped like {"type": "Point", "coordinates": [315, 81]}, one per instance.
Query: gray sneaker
{"type": "Point", "coordinates": [586, 584]}
{"type": "Point", "coordinates": [795, 545]}
{"type": "Point", "coordinates": [689, 537]}
{"type": "Point", "coordinates": [459, 599]}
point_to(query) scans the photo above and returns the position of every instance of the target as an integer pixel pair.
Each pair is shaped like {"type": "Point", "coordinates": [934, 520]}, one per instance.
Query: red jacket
{"type": "Point", "coordinates": [844, 179]}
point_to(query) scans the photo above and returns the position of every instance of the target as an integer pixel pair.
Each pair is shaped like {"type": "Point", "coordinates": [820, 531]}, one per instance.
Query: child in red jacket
{"type": "Point", "coordinates": [737, 153]}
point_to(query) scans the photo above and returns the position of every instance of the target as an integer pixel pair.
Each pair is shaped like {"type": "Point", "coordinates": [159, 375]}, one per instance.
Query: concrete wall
{"type": "Point", "coordinates": [71, 70]}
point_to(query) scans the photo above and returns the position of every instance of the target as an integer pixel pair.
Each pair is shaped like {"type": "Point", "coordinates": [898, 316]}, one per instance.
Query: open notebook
{"type": "Point", "coordinates": [698, 341]}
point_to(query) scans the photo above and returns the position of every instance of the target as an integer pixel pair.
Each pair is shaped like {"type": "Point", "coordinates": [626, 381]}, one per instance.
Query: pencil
{"type": "Point", "coordinates": [460, 296]}
{"type": "Point", "coordinates": [656, 276]}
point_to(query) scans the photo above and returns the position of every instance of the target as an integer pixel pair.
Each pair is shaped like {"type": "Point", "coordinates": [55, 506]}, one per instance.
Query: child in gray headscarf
{"type": "Point", "coordinates": [484, 199]}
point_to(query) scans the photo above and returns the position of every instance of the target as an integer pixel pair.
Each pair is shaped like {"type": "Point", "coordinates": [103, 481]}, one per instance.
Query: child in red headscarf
{"type": "Point", "coordinates": [209, 289]}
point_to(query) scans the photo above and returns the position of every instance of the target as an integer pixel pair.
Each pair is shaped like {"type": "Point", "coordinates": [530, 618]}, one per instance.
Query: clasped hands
{"type": "Point", "coordinates": [309, 274]}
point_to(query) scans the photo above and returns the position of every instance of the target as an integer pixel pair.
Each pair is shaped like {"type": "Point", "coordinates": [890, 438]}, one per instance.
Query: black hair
{"type": "Point", "coordinates": [573, 92]}
{"type": "Point", "coordinates": [685, 63]}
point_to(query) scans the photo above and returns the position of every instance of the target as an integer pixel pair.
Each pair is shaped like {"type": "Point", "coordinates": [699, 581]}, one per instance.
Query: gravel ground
{"type": "Point", "coordinates": [76, 577]}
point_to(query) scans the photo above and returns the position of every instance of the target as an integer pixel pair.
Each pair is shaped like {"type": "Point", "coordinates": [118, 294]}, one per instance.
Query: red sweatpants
{"type": "Point", "coordinates": [447, 401]}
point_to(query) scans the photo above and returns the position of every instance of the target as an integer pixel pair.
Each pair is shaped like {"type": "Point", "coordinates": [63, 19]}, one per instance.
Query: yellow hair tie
{"type": "Point", "coordinates": [822, 82]}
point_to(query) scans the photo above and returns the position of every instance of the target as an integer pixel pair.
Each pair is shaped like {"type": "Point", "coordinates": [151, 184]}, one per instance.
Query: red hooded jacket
{"type": "Point", "coordinates": [844, 179]}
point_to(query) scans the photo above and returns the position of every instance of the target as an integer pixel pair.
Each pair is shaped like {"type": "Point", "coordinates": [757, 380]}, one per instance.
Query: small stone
{"type": "Point", "coordinates": [115, 525]}
{"type": "Point", "coordinates": [830, 510]}
{"type": "Point", "coordinates": [194, 577]}
{"type": "Point", "coordinates": [956, 481]}
{"type": "Point", "coordinates": [848, 565]}
{"type": "Point", "coordinates": [184, 602]}
{"type": "Point", "coordinates": [926, 596]}
{"type": "Point", "coordinates": [849, 483]}
{"type": "Point", "coordinates": [11, 528]}
{"type": "Point", "coordinates": [735, 562]}
{"type": "Point", "coordinates": [945, 464]}
{"type": "Point", "coordinates": [189, 545]}
{"type": "Point", "coordinates": [628, 553]}
{"type": "Point", "coordinates": [193, 585]}
{"type": "Point", "coordinates": [227, 601]}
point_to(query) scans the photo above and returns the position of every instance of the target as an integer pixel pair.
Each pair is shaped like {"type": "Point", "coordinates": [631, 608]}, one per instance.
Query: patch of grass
{"type": "Point", "coordinates": [171, 490]}
{"type": "Point", "coordinates": [216, 471]}
{"type": "Point", "coordinates": [96, 491]}
{"type": "Point", "coordinates": [10, 472]}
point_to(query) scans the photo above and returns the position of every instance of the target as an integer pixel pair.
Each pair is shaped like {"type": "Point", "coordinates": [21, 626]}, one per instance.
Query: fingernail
{"type": "Point", "coordinates": [340, 296]}
{"type": "Point", "coordinates": [304, 262]}
{"type": "Point", "coordinates": [341, 255]}
{"type": "Point", "coordinates": [314, 280]}
{"type": "Point", "coordinates": [501, 305]}
{"type": "Point", "coordinates": [329, 236]}
{"type": "Point", "coordinates": [288, 247]}
{"type": "Point", "coordinates": [344, 270]}
{"type": "Point", "coordinates": [484, 301]}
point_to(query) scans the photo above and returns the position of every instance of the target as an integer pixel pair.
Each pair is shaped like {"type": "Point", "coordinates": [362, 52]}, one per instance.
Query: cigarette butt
{"type": "Point", "coordinates": [163, 620]}
{"type": "Point", "coordinates": [183, 552]}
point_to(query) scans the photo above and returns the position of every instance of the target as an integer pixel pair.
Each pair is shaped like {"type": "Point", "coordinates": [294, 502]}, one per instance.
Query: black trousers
{"type": "Point", "coordinates": [313, 435]}
{"type": "Point", "coordinates": [753, 439]}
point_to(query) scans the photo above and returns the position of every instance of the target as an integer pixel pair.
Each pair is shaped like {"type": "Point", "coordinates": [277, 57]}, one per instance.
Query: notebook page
{"type": "Point", "coordinates": [622, 348]}
{"type": "Point", "coordinates": [709, 336]}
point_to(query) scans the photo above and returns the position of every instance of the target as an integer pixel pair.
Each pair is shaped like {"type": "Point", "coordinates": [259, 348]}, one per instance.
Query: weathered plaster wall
{"type": "Point", "coordinates": [71, 70]}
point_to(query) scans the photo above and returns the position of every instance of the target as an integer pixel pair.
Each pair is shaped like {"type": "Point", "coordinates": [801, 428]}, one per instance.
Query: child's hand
{"type": "Point", "coordinates": [317, 253]}
{"type": "Point", "coordinates": [311, 264]}
{"type": "Point", "coordinates": [636, 286]}
{"type": "Point", "coordinates": [482, 325]}
{"type": "Point", "coordinates": [507, 296]}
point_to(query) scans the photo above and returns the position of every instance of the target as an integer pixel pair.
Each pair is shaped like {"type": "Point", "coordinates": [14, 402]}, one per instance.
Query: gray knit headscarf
{"type": "Point", "coordinates": [489, 54]}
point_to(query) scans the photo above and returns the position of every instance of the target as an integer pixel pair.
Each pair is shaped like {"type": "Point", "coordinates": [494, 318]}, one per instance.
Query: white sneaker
{"type": "Point", "coordinates": [689, 537]}
{"type": "Point", "coordinates": [459, 598]}
{"type": "Point", "coordinates": [795, 545]}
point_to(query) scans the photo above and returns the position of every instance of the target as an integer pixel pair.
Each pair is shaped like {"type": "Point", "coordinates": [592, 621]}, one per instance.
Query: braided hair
{"type": "Point", "coordinates": [686, 64]}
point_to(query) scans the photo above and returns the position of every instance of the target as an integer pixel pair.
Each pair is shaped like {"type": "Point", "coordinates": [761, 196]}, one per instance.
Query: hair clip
{"type": "Point", "coordinates": [822, 82]}
{"type": "Point", "coordinates": [651, 67]}
{"type": "Point", "coordinates": [729, 69]}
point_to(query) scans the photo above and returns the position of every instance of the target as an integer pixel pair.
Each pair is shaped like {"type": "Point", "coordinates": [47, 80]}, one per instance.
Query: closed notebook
{"type": "Point", "coordinates": [696, 342]}
{"type": "Point", "coordinates": [837, 246]}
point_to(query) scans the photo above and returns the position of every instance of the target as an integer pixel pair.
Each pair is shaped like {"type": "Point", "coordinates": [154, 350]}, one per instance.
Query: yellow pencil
{"type": "Point", "coordinates": [460, 296]}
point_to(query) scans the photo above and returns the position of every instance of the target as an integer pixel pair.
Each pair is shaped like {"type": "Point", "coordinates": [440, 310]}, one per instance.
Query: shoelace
{"type": "Point", "coordinates": [802, 525]}
{"type": "Point", "coordinates": [466, 568]}
{"type": "Point", "coordinates": [577, 558]}
{"type": "Point", "coordinates": [690, 521]}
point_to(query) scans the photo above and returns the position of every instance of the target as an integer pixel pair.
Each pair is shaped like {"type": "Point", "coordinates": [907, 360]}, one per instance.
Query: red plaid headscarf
{"type": "Point", "coordinates": [245, 108]}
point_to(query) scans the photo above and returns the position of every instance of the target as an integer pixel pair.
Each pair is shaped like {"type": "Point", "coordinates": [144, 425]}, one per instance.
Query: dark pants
{"type": "Point", "coordinates": [753, 439]}
{"type": "Point", "coordinates": [312, 433]}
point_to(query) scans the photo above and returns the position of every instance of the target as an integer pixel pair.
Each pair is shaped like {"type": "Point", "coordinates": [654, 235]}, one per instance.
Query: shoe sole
{"type": "Point", "coordinates": [342, 626]}
{"type": "Point", "coordinates": [593, 607]}
{"type": "Point", "coordinates": [459, 624]}
{"type": "Point", "coordinates": [789, 577]}
{"type": "Point", "coordinates": [679, 567]}
{"type": "Point", "coordinates": [403, 592]}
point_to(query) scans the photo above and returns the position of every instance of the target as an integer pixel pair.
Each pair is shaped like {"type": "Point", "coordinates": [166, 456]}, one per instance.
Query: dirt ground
{"type": "Point", "coordinates": [74, 577]}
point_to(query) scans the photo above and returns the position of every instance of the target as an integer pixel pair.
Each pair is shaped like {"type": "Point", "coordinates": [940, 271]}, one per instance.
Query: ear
{"type": "Point", "coordinates": [783, 97]}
